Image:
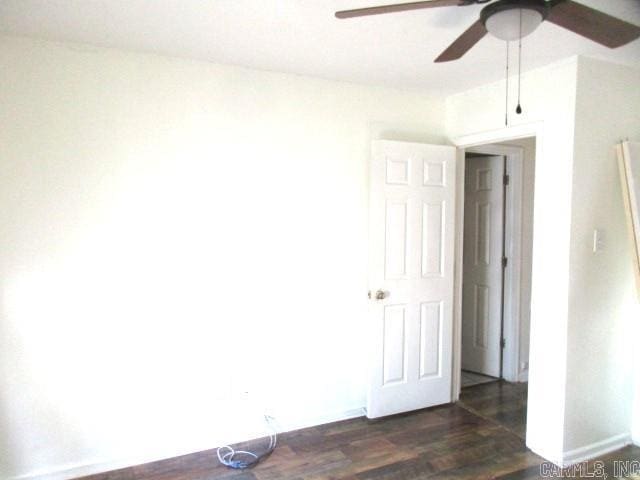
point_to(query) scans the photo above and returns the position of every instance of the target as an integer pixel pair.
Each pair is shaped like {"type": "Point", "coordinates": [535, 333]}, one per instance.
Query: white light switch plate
{"type": "Point", "coordinates": [598, 240]}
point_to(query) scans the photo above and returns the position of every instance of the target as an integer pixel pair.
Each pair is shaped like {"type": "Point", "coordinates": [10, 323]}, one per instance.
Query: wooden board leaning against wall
{"type": "Point", "coordinates": [629, 164]}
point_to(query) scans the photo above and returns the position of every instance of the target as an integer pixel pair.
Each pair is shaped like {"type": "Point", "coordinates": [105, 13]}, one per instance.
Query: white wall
{"type": "Point", "coordinates": [174, 233]}
{"type": "Point", "coordinates": [549, 108]}
{"type": "Point", "coordinates": [600, 347]}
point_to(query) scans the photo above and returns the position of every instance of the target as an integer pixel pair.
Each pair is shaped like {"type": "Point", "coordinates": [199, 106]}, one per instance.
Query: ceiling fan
{"type": "Point", "coordinates": [514, 19]}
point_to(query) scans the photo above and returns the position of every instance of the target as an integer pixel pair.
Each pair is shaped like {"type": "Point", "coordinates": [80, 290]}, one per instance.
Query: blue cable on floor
{"type": "Point", "coordinates": [229, 457]}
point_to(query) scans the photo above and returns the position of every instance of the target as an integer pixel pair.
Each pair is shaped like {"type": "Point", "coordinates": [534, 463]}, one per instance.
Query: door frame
{"type": "Point", "coordinates": [486, 143]}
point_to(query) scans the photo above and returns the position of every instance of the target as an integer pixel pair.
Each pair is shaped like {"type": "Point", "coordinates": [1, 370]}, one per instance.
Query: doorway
{"type": "Point", "coordinates": [495, 224]}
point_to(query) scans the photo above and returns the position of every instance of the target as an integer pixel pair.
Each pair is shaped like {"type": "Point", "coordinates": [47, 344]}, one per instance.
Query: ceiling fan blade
{"type": "Point", "coordinates": [400, 7]}
{"type": "Point", "coordinates": [463, 43]}
{"type": "Point", "coordinates": [593, 24]}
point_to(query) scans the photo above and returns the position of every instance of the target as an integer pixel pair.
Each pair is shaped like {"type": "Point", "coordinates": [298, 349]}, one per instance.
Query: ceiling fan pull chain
{"type": "Point", "coordinates": [506, 100]}
{"type": "Point", "coordinates": [519, 108]}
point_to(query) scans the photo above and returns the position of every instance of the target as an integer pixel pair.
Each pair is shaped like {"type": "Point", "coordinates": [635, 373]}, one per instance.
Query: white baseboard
{"type": "Point", "coordinates": [588, 452]}
{"type": "Point", "coordinates": [71, 471]}
{"type": "Point", "coordinates": [596, 449]}
{"type": "Point", "coordinates": [78, 470]}
{"type": "Point", "coordinates": [68, 472]}
{"type": "Point", "coordinates": [312, 421]}
{"type": "Point", "coordinates": [548, 456]}
{"type": "Point", "coordinates": [523, 376]}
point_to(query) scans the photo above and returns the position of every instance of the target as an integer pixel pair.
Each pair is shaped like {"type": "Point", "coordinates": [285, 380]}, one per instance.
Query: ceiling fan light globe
{"type": "Point", "coordinates": [505, 24]}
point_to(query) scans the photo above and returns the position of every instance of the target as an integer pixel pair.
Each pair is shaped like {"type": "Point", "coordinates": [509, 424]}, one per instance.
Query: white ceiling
{"type": "Point", "coordinates": [302, 36]}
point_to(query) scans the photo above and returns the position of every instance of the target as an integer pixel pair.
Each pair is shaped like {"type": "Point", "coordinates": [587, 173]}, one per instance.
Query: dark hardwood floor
{"type": "Point", "coordinates": [504, 403]}
{"type": "Point", "coordinates": [447, 442]}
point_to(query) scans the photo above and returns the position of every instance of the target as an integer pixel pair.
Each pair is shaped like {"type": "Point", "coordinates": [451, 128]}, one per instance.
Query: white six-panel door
{"type": "Point", "coordinates": [482, 265]}
{"type": "Point", "coordinates": [411, 249]}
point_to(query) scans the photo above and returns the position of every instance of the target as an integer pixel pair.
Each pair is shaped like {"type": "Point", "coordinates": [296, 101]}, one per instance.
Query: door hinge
{"type": "Point", "coordinates": [503, 343]}
{"type": "Point", "coordinates": [504, 262]}
{"type": "Point", "coordinates": [505, 179]}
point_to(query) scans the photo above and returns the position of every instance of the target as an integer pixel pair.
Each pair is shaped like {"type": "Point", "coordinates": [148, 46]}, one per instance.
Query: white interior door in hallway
{"type": "Point", "coordinates": [482, 280]}
{"type": "Point", "coordinates": [411, 248]}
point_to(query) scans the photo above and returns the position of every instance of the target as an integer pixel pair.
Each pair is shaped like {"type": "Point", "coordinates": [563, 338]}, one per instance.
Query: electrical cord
{"type": "Point", "coordinates": [229, 457]}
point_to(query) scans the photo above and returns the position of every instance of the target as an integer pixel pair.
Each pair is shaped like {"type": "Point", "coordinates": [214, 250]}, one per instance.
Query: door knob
{"type": "Point", "coordinates": [379, 295]}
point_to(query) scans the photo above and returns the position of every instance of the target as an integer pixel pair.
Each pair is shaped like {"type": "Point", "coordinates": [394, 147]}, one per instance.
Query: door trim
{"type": "Point", "coordinates": [484, 142]}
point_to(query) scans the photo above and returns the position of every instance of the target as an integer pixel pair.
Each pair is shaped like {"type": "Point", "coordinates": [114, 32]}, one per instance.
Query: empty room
{"type": "Point", "coordinates": [319, 240]}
